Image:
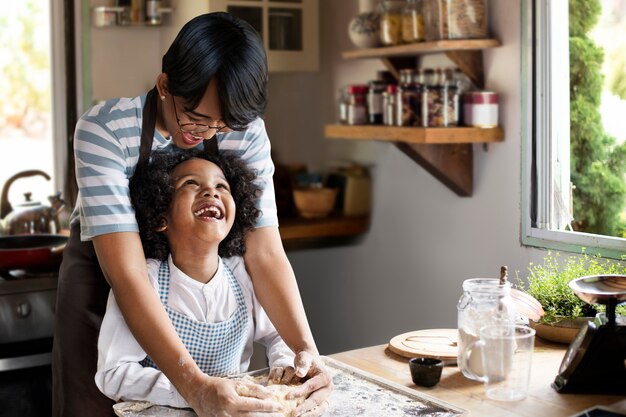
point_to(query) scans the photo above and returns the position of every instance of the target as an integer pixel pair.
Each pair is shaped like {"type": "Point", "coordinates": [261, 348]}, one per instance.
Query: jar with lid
{"type": "Point", "coordinates": [480, 109]}
{"type": "Point", "coordinates": [342, 105]}
{"type": "Point", "coordinates": [465, 19]}
{"type": "Point", "coordinates": [412, 22]}
{"type": "Point", "coordinates": [440, 99]}
{"type": "Point", "coordinates": [484, 302]}
{"type": "Point", "coordinates": [409, 100]}
{"type": "Point", "coordinates": [357, 105]}
{"type": "Point", "coordinates": [389, 105]}
{"type": "Point", "coordinates": [390, 22]}
{"type": "Point", "coordinates": [375, 101]}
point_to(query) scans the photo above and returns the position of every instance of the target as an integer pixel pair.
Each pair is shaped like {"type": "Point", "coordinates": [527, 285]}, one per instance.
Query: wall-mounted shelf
{"type": "Point", "coordinates": [465, 53]}
{"type": "Point", "coordinates": [433, 135]}
{"type": "Point", "coordinates": [299, 233]}
{"type": "Point", "coordinates": [447, 153]}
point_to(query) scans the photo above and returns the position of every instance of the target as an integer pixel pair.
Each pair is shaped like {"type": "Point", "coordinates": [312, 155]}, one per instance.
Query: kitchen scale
{"type": "Point", "coordinates": [594, 361]}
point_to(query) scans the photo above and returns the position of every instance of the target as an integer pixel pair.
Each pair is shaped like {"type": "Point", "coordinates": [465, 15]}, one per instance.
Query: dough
{"type": "Point", "coordinates": [279, 393]}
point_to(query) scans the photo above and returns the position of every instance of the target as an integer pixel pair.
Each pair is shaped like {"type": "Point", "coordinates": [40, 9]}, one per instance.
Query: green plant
{"type": "Point", "coordinates": [598, 162]}
{"type": "Point", "coordinates": [548, 283]}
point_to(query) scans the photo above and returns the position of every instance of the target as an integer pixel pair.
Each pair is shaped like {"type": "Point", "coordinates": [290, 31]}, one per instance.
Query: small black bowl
{"type": "Point", "coordinates": [426, 372]}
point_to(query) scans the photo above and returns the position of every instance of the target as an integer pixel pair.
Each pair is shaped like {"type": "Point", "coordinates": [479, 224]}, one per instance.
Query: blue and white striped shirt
{"type": "Point", "coordinates": [106, 148]}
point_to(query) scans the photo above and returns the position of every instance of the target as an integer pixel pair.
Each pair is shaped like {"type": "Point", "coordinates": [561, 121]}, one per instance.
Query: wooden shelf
{"type": "Point", "coordinates": [446, 153]}
{"type": "Point", "coordinates": [437, 135]}
{"type": "Point", "coordinates": [465, 53]}
{"type": "Point", "coordinates": [299, 233]}
{"type": "Point", "coordinates": [421, 48]}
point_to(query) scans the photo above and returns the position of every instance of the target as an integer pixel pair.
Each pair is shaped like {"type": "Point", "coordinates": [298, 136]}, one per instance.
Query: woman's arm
{"type": "Point", "coordinates": [276, 288]}
{"type": "Point", "coordinates": [120, 376]}
{"type": "Point", "coordinates": [124, 266]}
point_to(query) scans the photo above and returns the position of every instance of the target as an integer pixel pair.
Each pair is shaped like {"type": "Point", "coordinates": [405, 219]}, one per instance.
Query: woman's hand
{"type": "Point", "coordinates": [317, 387]}
{"type": "Point", "coordinates": [218, 397]}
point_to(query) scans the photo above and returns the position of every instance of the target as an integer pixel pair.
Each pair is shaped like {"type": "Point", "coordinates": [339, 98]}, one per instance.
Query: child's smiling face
{"type": "Point", "coordinates": [202, 205]}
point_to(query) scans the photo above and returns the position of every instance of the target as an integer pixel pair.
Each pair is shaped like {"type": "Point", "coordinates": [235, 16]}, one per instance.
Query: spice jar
{"type": "Point", "coordinates": [412, 22]}
{"type": "Point", "coordinates": [389, 105]}
{"type": "Point", "coordinates": [375, 101]}
{"type": "Point", "coordinates": [484, 302]}
{"type": "Point", "coordinates": [440, 98]}
{"type": "Point", "coordinates": [390, 22]}
{"type": "Point", "coordinates": [409, 100]}
{"type": "Point", "coordinates": [357, 105]}
{"type": "Point", "coordinates": [343, 103]}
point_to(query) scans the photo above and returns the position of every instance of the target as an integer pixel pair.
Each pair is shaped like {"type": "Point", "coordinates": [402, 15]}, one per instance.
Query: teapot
{"type": "Point", "coordinates": [30, 217]}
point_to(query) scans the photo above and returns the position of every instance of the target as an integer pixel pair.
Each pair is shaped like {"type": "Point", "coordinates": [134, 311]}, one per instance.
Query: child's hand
{"type": "Point", "coordinates": [218, 397]}
{"type": "Point", "coordinates": [280, 375]}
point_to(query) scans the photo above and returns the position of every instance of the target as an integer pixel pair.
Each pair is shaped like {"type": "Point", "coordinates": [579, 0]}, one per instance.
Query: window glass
{"type": "Point", "coordinates": [573, 100]}
{"type": "Point", "coordinates": [26, 108]}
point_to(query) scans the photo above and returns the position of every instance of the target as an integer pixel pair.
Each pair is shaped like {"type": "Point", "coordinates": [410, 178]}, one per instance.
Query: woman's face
{"type": "Point", "coordinates": [202, 207]}
{"type": "Point", "coordinates": [189, 127]}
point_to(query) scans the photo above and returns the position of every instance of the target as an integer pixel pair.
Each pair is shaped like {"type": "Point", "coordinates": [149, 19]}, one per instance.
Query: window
{"type": "Point", "coordinates": [551, 205]}
{"type": "Point", "coordinates": [32, 114]}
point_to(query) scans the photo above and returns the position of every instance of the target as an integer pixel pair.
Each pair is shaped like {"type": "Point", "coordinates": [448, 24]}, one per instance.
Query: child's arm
{"type": "Point", "coordinates": [120, 376]}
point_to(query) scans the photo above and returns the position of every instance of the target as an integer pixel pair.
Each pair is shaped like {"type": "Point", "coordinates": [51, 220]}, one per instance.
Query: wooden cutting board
{"type": "Point", "coordinates": [429, 343]}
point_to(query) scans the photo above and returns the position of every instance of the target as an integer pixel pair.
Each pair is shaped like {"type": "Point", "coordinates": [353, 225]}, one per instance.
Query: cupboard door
{"type": "Point", "coordinates": [289, 28]}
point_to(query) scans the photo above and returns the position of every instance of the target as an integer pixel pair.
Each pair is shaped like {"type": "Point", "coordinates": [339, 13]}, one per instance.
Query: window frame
{"type": "Point", "coordinates": [538, 128]}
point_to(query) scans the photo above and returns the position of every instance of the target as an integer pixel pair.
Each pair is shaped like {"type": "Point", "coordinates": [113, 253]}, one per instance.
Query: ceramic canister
{"type": "Point", "coordinates": [363, 29]}
{"type": "Point", "coordinates": [480, 109]}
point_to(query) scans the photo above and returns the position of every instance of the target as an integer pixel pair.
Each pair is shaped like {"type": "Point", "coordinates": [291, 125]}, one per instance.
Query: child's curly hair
{"type": "Point", "coordinates": [151, 191]}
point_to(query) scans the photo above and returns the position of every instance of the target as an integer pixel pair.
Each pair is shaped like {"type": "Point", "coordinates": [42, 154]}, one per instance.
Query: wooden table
{"type": "Point", "coordinates": [542, 401]}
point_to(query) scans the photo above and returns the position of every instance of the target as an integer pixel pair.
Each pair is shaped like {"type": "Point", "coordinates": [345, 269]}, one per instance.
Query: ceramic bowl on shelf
{"type": "Point", "coordinates": [314, 202]}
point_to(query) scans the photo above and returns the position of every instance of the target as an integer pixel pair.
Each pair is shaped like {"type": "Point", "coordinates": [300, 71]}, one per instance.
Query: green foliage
{"type": "Point", "coordinates": [617, 77]}
{"type": "Point", "coordinates": [597, 162]}
{"type": "Point", "coordinates": [548, 283]}
{"type": "Point", "coordinates": [583, 16]}
{"type": "Point", "coordinates": [586, 78]}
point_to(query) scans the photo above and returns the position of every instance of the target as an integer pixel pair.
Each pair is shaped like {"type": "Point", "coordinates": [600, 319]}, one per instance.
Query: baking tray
{"type": "Point", "coordinates": [356, 393]}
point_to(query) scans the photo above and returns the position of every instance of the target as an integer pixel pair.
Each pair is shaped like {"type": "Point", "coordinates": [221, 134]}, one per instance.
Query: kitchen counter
{"type": "Point", "coordinates": [454, 388]}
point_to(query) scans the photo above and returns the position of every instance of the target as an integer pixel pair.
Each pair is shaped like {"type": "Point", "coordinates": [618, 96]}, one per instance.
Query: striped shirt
{"type": "Point", "coordinates": [106, 149]}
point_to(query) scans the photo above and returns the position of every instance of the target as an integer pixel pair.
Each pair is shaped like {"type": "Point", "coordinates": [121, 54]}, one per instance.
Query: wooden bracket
{"type": "Point", "coordinates": [395, 64]}
{"type": "Point", "coordinates": [471, 63]}
{"type": "Point", "coordinates": [451, 164]}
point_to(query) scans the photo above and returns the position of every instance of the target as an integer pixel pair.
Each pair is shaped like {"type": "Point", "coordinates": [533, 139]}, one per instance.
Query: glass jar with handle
{"type": "Point", "coordinates": [485, 301]}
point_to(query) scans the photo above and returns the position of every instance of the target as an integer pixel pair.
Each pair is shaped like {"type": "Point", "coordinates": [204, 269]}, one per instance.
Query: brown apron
{"type": "Point", "coordinates": [81, 302]}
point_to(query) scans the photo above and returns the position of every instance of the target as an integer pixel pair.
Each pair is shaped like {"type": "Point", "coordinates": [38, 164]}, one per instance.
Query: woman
{"type": "Point", "coordinates": [212, 89]}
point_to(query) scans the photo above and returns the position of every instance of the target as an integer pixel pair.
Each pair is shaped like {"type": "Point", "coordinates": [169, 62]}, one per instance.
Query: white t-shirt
{"type": "Point", "coordinates": [120, 376]}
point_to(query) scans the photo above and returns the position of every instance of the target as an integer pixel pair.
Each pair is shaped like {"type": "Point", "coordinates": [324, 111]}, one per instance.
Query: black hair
{"type": "Point", "coordinates": [218, 46]}
{"type": "Point", "coordinates": [151, 192]}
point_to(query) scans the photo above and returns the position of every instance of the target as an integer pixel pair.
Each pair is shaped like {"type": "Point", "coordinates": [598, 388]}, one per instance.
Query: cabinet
{"type": "Point", "coordinates": [289, 28]}
{"type": "Point", "coordinates": [446, 153]}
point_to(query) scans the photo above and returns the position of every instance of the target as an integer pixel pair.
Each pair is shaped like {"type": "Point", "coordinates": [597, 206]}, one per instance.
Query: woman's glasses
{"type": "Point", "coordinates": [195, 128]}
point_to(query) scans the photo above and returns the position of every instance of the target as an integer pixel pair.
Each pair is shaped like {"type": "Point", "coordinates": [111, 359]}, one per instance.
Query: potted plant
{"type": "Point", "coordinates": [548, 282]}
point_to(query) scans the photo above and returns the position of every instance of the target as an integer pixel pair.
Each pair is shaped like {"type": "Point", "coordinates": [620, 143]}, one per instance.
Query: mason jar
{"type": "Point", "coordinates": [484, 302]}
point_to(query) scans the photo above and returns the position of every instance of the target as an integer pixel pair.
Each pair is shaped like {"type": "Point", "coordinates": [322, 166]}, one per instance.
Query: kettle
{"type": "Point", "coordinates": [30, 217]}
